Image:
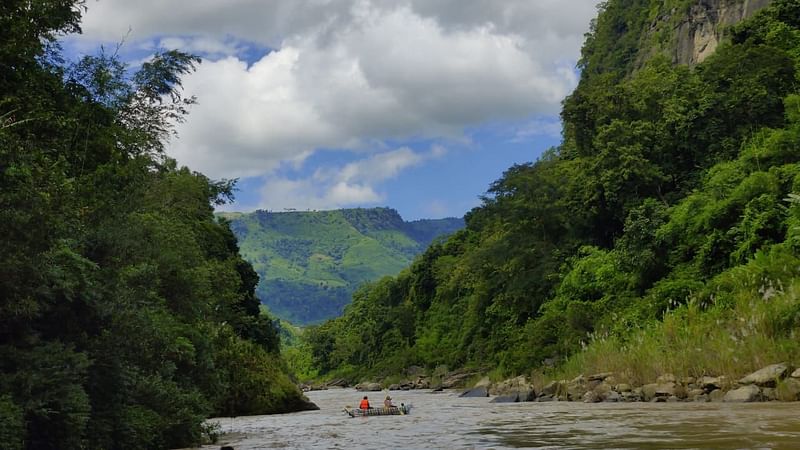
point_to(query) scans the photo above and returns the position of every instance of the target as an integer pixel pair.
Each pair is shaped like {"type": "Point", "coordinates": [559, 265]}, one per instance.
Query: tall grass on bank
{"type": "Point", "coordinates": [751, 329]}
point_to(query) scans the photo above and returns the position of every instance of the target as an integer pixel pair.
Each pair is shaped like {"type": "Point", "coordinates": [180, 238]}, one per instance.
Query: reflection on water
{"type": "Point", "coordinates": [442, 420]}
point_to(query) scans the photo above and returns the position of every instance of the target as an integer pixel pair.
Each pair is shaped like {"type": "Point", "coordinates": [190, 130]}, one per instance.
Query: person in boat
{"type": "Point", "coordinates": [388, 402]}
{"type": "Point", "coordinates": [364, 403]}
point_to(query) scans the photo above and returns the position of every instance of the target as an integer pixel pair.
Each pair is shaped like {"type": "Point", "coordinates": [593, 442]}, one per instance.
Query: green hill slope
{"type": "Point", "coordinates": [311, 262]}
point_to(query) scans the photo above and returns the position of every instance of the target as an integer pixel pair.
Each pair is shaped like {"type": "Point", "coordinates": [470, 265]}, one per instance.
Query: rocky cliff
{"type": "Point", "coordinates": [701, 31]}
{"type": "Point", "coordinates": [691, 32]}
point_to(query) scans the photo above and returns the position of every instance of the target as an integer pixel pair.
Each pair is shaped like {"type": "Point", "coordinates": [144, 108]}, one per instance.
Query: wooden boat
{"type": "Point", "coordinates": [382, 411]}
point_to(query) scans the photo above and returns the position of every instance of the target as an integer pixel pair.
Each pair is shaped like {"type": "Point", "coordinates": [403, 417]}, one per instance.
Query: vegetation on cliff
{"type": "Point", "coordinates": [311, 262]}
{"type": "Point", "coordinates": [664, 222]}
{"type": "Point", "coordinates": [127, 315]}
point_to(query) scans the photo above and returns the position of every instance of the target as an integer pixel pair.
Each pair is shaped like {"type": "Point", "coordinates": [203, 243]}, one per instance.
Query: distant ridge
{"type": "Point", "coordinates": [310, 262]}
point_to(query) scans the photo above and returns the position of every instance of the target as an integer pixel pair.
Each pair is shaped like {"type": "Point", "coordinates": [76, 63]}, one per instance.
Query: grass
{"type": "Point", "coordinates": [760, 329]}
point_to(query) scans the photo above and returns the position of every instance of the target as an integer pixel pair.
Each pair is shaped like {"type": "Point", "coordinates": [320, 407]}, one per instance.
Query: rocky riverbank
{"type": "Point", "coordinates": [775, 382]}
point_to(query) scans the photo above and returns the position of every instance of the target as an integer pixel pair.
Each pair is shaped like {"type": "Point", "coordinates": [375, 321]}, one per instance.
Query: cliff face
{"type": "Point", "coordinates": [701, 31]}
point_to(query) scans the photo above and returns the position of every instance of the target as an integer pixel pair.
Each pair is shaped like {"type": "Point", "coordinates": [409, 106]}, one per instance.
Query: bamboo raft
{"type": "Point", "coordinates": [382, 411]}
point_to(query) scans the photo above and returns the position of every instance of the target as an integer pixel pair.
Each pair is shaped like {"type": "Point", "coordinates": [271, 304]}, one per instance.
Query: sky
{"type": "Point", "coordinates": [418, 105]}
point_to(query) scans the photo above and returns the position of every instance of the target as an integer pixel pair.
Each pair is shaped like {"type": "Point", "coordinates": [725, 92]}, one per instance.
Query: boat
{"type": "Point", "coordinates": [382, 411]}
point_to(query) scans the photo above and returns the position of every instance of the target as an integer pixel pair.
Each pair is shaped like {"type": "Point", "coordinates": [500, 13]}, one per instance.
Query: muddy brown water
{"type": "Point", "coordinates": [445, 421]}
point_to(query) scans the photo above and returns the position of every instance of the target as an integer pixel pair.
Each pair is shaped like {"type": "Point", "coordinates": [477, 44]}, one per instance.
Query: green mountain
{"type": "Point", "coordinates": [310, 263]}
{"type": "Point", "coordinates": [661, 236]}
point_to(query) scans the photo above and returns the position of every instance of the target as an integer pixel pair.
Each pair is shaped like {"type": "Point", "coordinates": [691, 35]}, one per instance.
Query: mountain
{"type": "Point", "coordinates": [661, 236]}
{"type": "Point", "coordinates": [310, 263]}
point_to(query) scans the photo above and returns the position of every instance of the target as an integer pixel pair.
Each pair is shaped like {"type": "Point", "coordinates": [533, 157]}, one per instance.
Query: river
{"type": "Point", "coordinates": [445, 421]}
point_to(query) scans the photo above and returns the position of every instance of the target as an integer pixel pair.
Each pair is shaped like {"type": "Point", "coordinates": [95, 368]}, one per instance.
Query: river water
{"type": "Point", "coordinates": [445, 421]}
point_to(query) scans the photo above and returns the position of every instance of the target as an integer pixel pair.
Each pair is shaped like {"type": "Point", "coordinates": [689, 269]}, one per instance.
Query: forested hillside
{"type": "Point", "coordinates": [310, 263]}
{"type": "Point", "coordinates": [663, 234]}
{"type": "Point", "coordinates": [127, 315]}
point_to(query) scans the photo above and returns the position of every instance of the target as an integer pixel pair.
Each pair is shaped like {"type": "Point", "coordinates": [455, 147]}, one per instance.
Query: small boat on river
{"type": "Point", "coordinates": [382, 411]}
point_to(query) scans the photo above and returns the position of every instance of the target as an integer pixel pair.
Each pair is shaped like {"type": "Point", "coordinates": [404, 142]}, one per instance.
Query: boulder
{"type": "Point", "coordinates": [768, 376]}
{"type": "Point", "coordinates": [702, 398]}
{"type": "Point", "coordinates": [576, 388]}
{"type": "Point", "coordinates": [527, 395]}
{"type": "Point", "coordinates": [339, 382]}
{"type": "Point", "coordinates": [694, 393]}
{"type": "Point", "coordinates": [623, 387]}
{"type": "Point", "coordinates": [717, 395]}
{"type": "Point", "coordinates": [769, 394]}
{"type": "Point", "coordinates": [480, 391]}
{"type": "Point", "coordinates": [369, 387]}
{"type": "Point", "coordinates": [551, 388]}
{"type": "Point", "coordinates": [505, 399]}
{"type": "Point", "coordinates": [796, 373]}
{"type": "Point", "coordinates": [518, 387]}
{"type": "Point", "coordinates": [649, 391]}
{"type": "Point", "coordinates": [575, 392]}
{"type": "Point", "coordinates": [599, 376]}
{"type": "Point", "coordinates": [602, 390]}
{"type": "Point", "coordinates": [591, 397]}
{"type": "Point", "coordinates": [546, 398]}
{"type": "Point", "coordinates": [749, 393]}
{"type": "Point", "coordinates": [631, 396]}
{"type": "Point", "coordinates": [788, 390]}
{"type": "Point", "coordinates": [711, 383]}
{"type": "Point", "coordinates": [612, 397]}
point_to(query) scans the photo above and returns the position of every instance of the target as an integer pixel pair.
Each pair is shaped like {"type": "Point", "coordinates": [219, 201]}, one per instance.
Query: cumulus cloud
{"type": "Point", "coordinates": [351, 73]}
{"type": "Point", "coordinates": [359, 75]}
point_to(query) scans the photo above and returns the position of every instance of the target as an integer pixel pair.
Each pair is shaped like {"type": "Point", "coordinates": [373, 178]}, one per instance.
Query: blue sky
{"type": "Point", "coordinates": [413, 104]}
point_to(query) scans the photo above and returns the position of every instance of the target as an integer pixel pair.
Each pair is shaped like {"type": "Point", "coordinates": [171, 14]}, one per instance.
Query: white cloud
{"type": "Point", "coordinates": [350, 73]}
{"type": "Point", "coordinates": [353, 184]}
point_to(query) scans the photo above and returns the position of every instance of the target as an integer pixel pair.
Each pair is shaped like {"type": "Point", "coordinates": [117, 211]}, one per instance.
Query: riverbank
{"type": "Point", "coordinates": [777, 382]}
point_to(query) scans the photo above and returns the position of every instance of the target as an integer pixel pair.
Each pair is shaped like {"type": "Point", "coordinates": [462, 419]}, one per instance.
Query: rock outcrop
{"type": "Point", "coordinates": [696, 33]}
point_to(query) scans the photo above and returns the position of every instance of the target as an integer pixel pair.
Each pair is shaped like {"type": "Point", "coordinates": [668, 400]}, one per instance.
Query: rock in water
{"type": "Point", "coordinates": [475, 392]}
{"type": "Point", "coordinates": [744, 394]}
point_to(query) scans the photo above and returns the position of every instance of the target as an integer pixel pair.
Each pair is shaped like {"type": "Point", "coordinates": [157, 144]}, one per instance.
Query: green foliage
{"type": "Point", "coordinates": [12, 424]}
{"type": "Point", "coordinates": [125, 306]}
{"type": "Point", "coordinates": [311, 263]}
{"type": "Point", "coordinates": [660, 216]}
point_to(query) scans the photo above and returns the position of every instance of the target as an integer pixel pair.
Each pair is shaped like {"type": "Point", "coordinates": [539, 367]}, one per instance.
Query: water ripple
{"type": "Point", "coordinates": [444, 421]}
